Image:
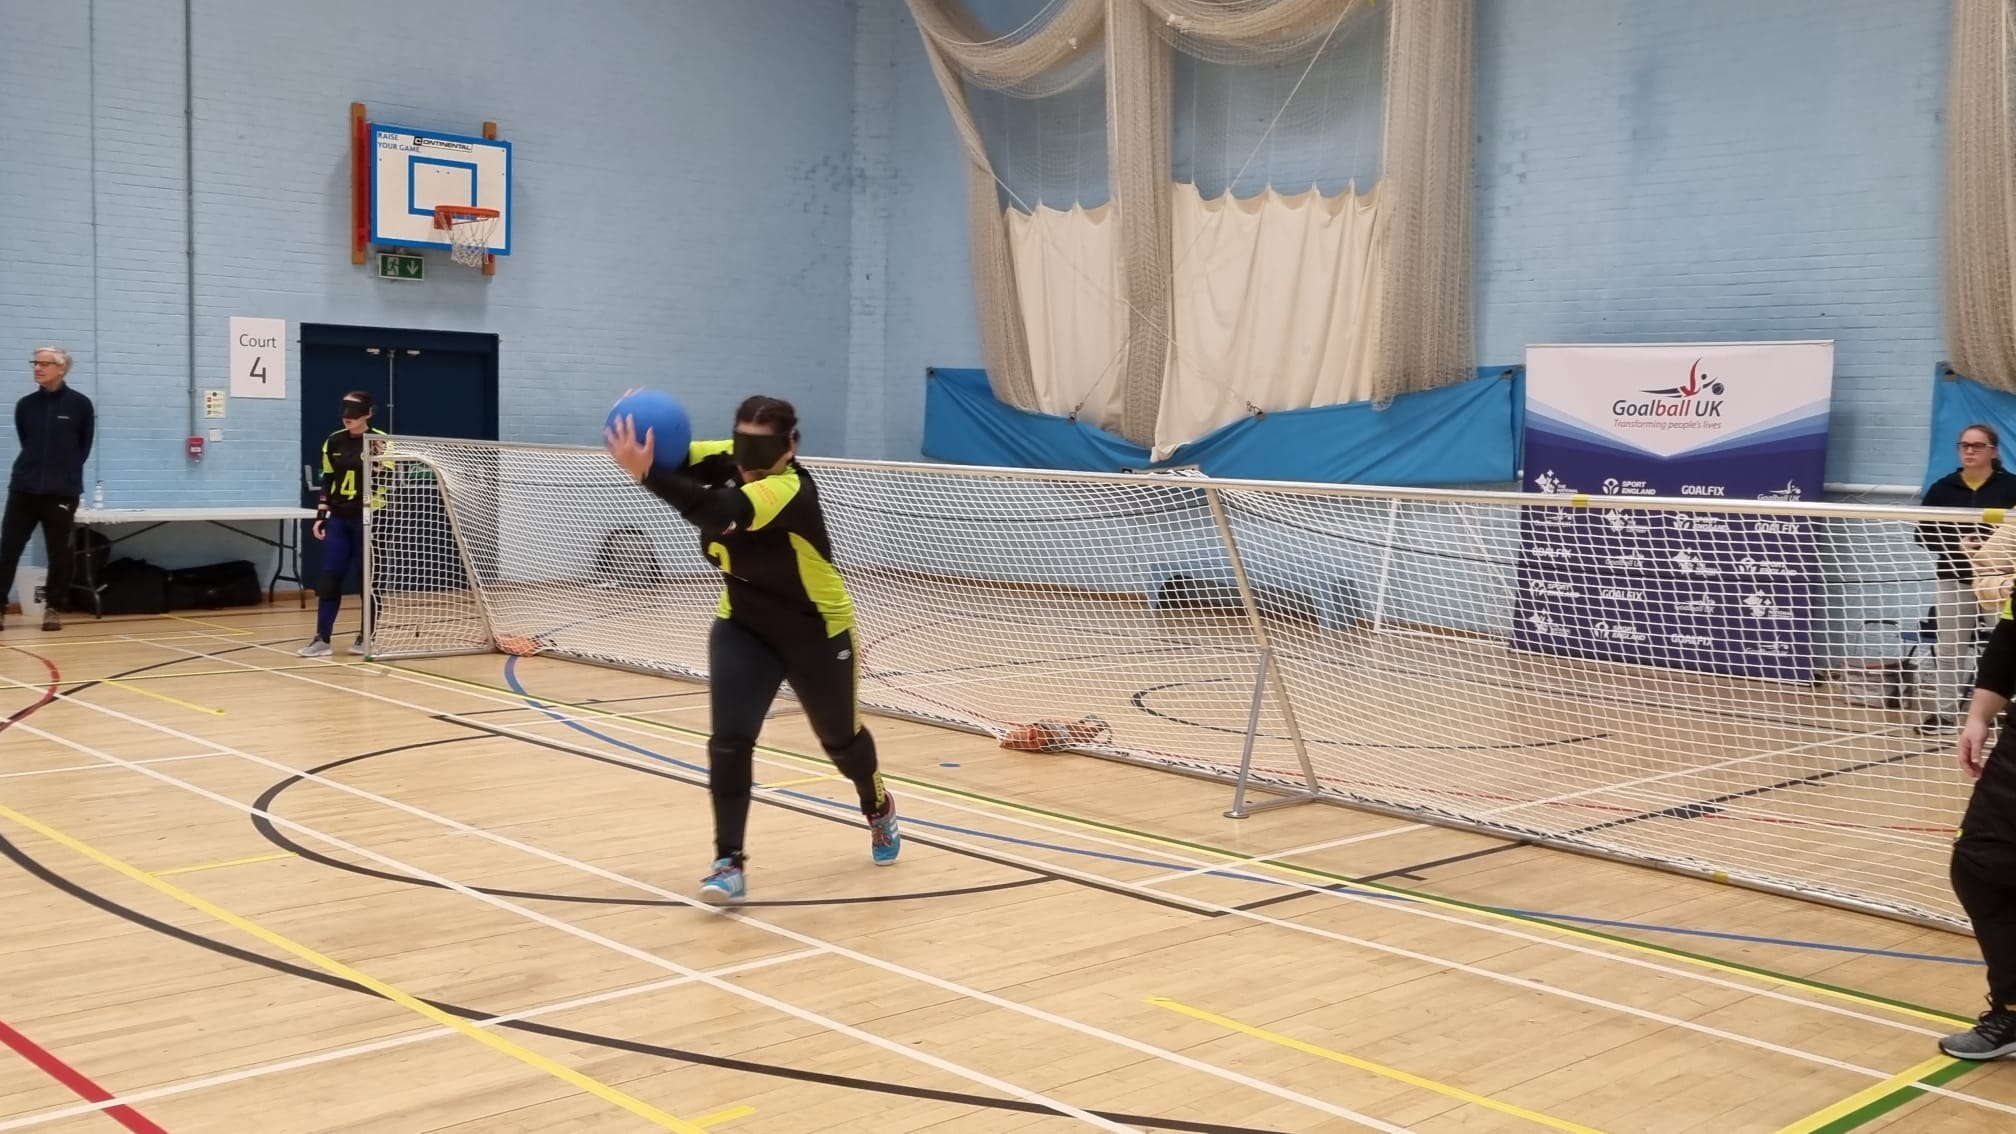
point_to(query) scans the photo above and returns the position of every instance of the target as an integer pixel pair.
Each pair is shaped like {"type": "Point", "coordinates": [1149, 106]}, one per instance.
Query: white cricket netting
{"type": "Point", "coordinates": [1980, 216]}
{"type": "Point", "coordinates": [1171, 197]}
{"type": "Point", "coordinates": [1735, 710]}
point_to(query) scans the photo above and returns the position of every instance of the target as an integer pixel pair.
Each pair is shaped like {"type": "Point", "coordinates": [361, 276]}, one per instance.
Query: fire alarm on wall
{"type": "Point", "coordinates": [195, 447]}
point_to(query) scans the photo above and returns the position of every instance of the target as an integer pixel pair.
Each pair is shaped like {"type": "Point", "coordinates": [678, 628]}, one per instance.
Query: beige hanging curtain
{"type": "Point", "coordinates": [1980, 220]}
{"type": "Point", "coordinates": [1197, 312]}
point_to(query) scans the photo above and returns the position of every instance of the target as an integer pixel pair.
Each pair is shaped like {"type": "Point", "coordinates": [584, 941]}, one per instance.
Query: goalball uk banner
{"type": "Point", "coordinates": [1706, 591]}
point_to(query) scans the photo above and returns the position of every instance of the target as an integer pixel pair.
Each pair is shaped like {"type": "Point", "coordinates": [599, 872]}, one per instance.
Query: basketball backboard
{"type": "Point", "coordinates": [412, 171]}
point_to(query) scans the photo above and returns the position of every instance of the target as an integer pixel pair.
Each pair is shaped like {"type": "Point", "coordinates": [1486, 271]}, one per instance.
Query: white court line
{"type": "Point", "coordinates": [905, 1050]}
{"type": "Point", "coordinates": [1439, 962]}
{"type": "Point", "coordinates": [1366, 837]}
{"type": "Point", "coordinates": [188, 1086]}
{"type": "Point", "coordinates": [616, 723]}
{"type": "Point", "coordinates": [1251, 915]}
{"type": "Point", "coordinates": [101, 765]}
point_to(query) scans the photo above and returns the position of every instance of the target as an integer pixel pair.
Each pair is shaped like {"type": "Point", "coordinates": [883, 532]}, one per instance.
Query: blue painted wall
{"type": "Point", "coordinates": [1644, 171]}
{"type": "Point", "coordinates": [682, 195]}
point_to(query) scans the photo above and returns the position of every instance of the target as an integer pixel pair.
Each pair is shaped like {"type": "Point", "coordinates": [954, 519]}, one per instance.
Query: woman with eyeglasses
{"type": "Point", "coordinates": [1980, 482]}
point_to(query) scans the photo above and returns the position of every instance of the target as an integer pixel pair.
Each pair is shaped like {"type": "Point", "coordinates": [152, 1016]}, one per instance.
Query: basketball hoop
{"type": "Point", "coordinates": [469, 230]}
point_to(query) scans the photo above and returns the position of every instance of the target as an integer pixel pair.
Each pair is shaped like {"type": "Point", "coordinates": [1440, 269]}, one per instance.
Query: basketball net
{"type": "Point", "coordinates": [468, 230]}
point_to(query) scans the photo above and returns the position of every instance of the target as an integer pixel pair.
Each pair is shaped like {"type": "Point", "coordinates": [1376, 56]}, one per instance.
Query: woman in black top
{"type": "Point", "coordinates": [1979, 482]}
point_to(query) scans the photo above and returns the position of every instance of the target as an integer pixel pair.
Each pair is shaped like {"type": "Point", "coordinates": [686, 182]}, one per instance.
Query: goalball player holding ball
{"type": "Point", "coordinates": [785, 614]}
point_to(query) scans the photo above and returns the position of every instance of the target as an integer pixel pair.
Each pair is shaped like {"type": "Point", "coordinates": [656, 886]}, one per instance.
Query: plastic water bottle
{"type": "Point", "coordinates": [98, 496]}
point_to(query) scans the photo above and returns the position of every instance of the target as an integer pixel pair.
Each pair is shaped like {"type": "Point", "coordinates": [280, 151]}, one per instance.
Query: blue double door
{"type": "Point", "coordinates": [424, 383]}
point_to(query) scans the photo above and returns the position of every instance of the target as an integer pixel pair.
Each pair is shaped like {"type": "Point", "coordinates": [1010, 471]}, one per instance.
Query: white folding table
{"type": "Point", "coordinates": [287, 541]}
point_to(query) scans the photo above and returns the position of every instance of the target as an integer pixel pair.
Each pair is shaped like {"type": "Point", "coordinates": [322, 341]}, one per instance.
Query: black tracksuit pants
{"type": "Point", "coordinates": [745, 674]}
{"type": "Point", "coordinates": [55, 515]}
{"type": "Point", "coordinates": [1984, 868]}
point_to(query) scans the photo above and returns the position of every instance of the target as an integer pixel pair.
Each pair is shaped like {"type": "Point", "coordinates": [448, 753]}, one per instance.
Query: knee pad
{"type": "Point", "coordinates": [731, 762]}
{"type": "Point", "coordinates": [857, 756]}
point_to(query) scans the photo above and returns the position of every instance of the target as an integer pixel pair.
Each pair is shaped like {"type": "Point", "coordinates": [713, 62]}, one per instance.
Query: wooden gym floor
{"type": "Point", "coordinates": [249, 892]}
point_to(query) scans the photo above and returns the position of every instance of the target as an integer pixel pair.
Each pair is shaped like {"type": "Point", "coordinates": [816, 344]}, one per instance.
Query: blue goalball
{"type": "Point", "coordinates": [661, 415]}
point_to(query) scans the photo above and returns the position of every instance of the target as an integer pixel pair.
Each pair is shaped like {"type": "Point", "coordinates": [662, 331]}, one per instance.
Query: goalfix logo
{"type": "Point", "coordinates": [1698, 398]}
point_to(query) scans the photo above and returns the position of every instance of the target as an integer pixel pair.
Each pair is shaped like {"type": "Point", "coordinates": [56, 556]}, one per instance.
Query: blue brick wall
{"type": "Point", "coordinates": [1644, 172]}
{"type": "Point", "coordinates": [1725, 169]}
{"type": "Point", "coordinates": [683, 196]}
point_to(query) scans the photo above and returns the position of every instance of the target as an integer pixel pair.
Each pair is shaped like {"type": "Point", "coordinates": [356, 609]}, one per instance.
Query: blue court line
{"type": "Point", "coordinates": [511, 679]}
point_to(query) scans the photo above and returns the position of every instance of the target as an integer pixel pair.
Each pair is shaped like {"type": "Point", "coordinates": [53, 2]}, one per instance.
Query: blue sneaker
{"type": "Point", "coordinates": [725, 885]}
{"type": "Point", "coordinates": [888, 840]}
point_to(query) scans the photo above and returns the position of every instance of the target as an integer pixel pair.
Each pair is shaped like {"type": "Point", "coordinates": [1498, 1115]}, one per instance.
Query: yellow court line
{"type": "Point", "coordinates": [337, 968]}
{"type": "Point", "coordinates": [222, 865]}
{"type": "Point", "coordinates": [721, 1116]}
{"type": "Point", "coordinates": [806, 780]}
{"type": "Point", "coordinates": [171, 675]}
{"type": "Point", "coordinates": [1320, 879]}
{"type": "Point", "coordinates": [1864, 1097]}
{"type": "Point", "coordinates": [190, 705]}
{"type": "Point", "coordinates": [1395, 1074]}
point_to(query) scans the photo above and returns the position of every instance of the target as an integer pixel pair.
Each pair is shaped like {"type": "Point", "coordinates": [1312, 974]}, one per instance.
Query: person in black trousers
{"type": "Point", "coordinates": [56, 425]}
{"type": "Point", "coordinates": [1983, 865]}
{"type": "Point", "coordinates": [1979, 482]}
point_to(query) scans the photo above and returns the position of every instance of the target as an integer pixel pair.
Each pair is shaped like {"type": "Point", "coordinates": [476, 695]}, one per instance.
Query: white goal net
{"type": "Point", "coordinates": [1738, 689]}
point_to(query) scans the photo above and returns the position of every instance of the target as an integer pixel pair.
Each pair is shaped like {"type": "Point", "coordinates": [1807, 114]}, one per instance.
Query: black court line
{"type": "Point", "coordinates": [272, 834]}
{"type": "Point", "coordinates": [1703, 808]}
{"type": "Point", "coordinates": [1408, 872]}
{"type": "Point", "coordinates": [593, 701]}
{"type": "Point", "coordinates": [1140, 701]}
{"type": "Point", "coordinates": [828, 815]}
{"type": "Point", "coordinates": [98, 901]}
{"type": "Point", "coordinates": [92, 898]}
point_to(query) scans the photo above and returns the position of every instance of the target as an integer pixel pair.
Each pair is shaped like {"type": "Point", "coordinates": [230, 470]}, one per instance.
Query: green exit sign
{"type": "Point", "coordinates": [396, 267]}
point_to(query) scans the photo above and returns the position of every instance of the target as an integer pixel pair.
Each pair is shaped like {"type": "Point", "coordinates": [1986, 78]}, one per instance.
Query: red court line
{"type": "Point", "coordinates": [37, 1055]}
{"type": "Point", "coordinates": [74, 1079]}
{"type": "Point", "coordinates": [48, 693]}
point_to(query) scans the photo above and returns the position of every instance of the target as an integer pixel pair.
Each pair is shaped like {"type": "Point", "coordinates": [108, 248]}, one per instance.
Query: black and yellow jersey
{"type": "Point", "coordinates": [769, 539]}
{"type": "Point", "coordinates": [343, 474]}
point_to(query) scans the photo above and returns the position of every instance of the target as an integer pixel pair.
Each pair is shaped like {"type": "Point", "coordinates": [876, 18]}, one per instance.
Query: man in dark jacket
{"type": "Point", "coordinates": [56, 425]}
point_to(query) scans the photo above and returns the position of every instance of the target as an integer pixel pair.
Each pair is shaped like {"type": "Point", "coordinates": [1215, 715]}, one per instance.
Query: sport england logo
{"type": "Point", "coordinates": [1697, 398]}
{"type": "Point", "coordinates": [1763, 606]}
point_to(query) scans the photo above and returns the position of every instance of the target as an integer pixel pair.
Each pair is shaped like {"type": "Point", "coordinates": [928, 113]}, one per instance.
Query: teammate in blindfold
{"type": "Point", "coordinates": [339, 516]}
{"type": "Point", "coordinates": [784, 615]}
